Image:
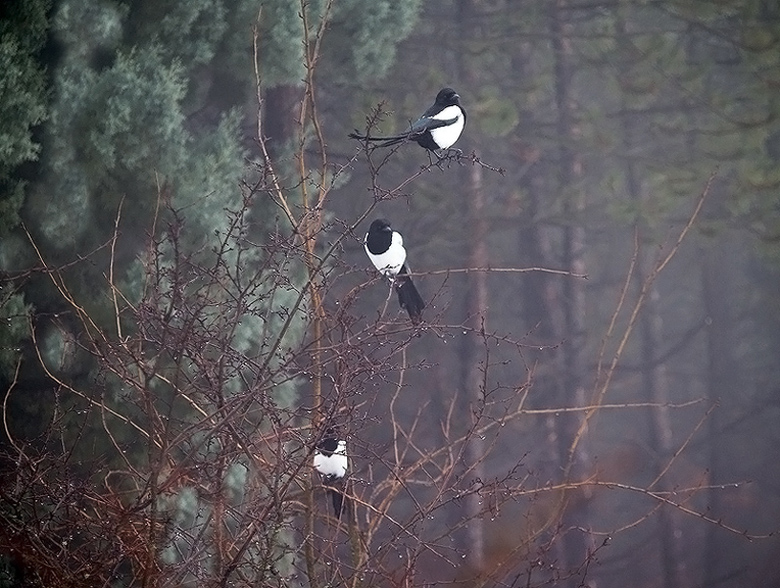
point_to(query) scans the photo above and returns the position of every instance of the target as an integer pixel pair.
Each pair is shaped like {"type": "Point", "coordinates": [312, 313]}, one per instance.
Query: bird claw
{"type": "Point", "coordinates": [445, 156]}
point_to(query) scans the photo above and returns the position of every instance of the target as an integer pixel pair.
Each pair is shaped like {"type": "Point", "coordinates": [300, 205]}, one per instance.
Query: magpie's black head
{"type": "Point", "coordinates": [447, 97]}
{"type": "Point", "coordinates": [329, 441]}
{"type": "Point", "coordinates": [380, 225]}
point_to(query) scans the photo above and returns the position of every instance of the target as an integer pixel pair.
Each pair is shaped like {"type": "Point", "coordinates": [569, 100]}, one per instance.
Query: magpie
{"type": "Point", "coordinates": [385, 249]}
{"type": "Point", "coordinates": [330, 460]}
{"type": "Point", "coordinates": [438, 127]}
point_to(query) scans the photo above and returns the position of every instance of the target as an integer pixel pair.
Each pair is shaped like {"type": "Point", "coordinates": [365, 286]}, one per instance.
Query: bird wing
{"type": "Point", "coordinates": [429, 124]}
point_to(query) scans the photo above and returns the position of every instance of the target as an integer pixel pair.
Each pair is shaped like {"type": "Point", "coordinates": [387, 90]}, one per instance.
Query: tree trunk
{"type": "Point", "coordinates": [477, 298]}
{"type": "Point", "coordinates": [281, 113]}
{"type": "Point", "coordinates": [477, 313]}
{"type": "Point", "coordinates": [654, 379]}
{"type": "Point", "coordinates": [655, 390]}
{"type": "Point", "coordinates": [573, 457]}
{"type": "Point", "coordinates": [720, 377]}
{"type": "Point", "coordinates": [721, 381]}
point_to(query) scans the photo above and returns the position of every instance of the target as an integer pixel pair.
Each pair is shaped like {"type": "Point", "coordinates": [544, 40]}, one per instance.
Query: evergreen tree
{"type": "Point", "coordinates": [23, 98]}
{"type": "Point", "coordinates": [23, 28]}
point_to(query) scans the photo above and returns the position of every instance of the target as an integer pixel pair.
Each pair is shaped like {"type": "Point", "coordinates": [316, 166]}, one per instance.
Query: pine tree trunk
{"type": "Point", "coordinates": [477, 311]}
{"type": "Point", "coordinates": [654, 379]}
{"type": "Point", "coordinates": [281, 114]}
{"type": "Point", "coordinates": [477, 296]}
{"type": "Point", "coordinates": [655, 390]}
{"type": "Point", "coordinates": [720, 377]}
{"type": "Point", "coordinates": [721, 382]}
{"type": "Point", "coordinates": [572, 454]}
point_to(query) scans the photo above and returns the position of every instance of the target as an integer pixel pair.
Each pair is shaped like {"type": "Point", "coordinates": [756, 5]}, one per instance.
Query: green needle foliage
{"type": "Point", "coordinates": [23, 27]}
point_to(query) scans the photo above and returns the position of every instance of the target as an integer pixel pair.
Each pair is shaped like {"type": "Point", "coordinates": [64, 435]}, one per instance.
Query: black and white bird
{"type": "Point", "coordinates": [330, 460]}
{"type": "Point", "coordinates": [385, 249]}
{"type": "Point", "coordinates": [438, 127]}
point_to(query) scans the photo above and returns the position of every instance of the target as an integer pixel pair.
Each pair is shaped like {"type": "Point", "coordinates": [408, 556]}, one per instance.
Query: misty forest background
{"type": "Point", "coordinates": [593, 398]}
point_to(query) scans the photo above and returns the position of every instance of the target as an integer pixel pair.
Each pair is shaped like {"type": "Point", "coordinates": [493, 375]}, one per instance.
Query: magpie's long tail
{"type": "Point", "coordinates": [339, 501]}
{"type": "Point", "coordinates": [408, 296]}
{"type": "Point", "coordinates": [381, 141]}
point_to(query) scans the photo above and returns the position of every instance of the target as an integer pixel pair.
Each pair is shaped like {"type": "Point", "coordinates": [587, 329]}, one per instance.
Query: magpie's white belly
{"type": "Point", "coordinates": [388, 263]}
{"type": "Point", "coordinates": [334, 465]}
{"type": "Point", "coordinates": [445, 137]}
